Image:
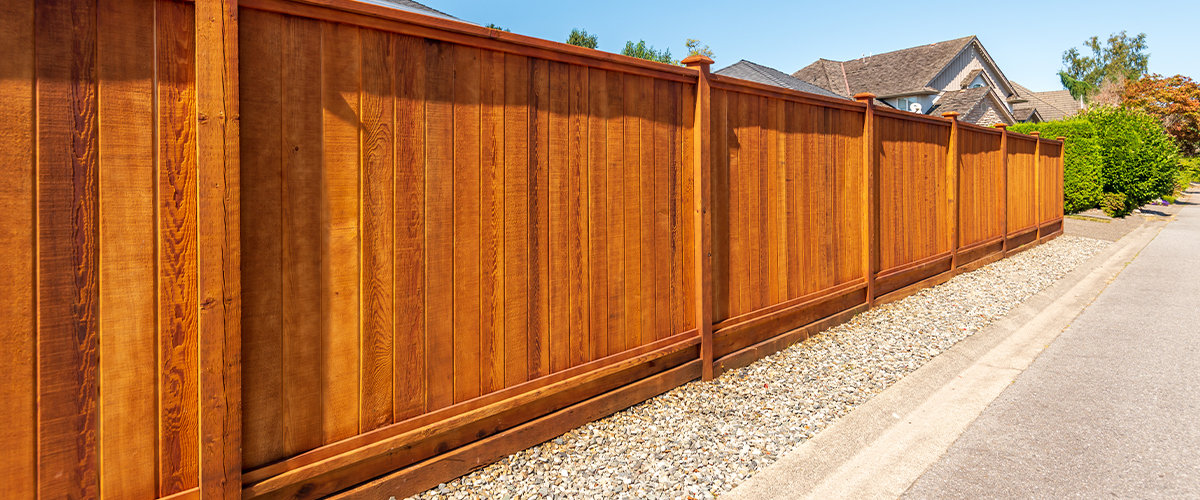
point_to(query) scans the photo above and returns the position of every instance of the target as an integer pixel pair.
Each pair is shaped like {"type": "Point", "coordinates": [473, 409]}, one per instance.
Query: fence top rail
{"type": "Point", "coordinates": [729, 83]}
{"type": "Point", "coordinates": [448, 30]}
{"type": "Point", "coordinates": [1022, 137]}
{"type": "Point", "coordinates": [905, 115]}
{"type": "Point", "coordinates": [979, 128]}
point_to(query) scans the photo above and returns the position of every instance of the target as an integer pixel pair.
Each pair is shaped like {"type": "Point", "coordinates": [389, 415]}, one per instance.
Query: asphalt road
{"type": "Point", "coordinates": [1111, 408]}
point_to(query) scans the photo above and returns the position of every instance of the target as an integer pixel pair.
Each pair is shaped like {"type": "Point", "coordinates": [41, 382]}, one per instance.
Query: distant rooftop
{"type": "Point", "coordinates": [754, 72]}
{"type": "Point", "coordinates": [411, 6]}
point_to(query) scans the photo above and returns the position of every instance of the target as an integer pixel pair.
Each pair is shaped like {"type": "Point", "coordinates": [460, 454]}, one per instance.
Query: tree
{"type": "Point", "coordinates": [497, 27]}
{"type": "Point", "coordinates": [694, 49]}
{"type": "Point", "coordinates": [642, 51]}
{"type": "Point", "coordinates": [580, 37]}
{"type": "Point", "coordinates": [1122, 58]}
{"type": "Point", "coordinates": [1174, 101]}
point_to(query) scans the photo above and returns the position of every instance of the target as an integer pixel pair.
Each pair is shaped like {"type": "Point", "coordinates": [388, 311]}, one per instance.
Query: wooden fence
{"type": "Point", "coordinates": [299, 248]}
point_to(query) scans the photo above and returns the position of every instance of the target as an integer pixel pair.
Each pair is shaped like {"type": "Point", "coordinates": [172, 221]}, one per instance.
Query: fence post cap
{"type": "Point", "coordinates": [864, 96]}
{"type": "Point", "coordinates": [1001, 125]}
{"type": "Point", "coordinates": [1035, 133]}
{"type": "Point", "coordinates": [696, 60]}
{"type": "Point", "coordinates": [1060, 138]}
{"type": "Point", "coordinates": [953, 115]}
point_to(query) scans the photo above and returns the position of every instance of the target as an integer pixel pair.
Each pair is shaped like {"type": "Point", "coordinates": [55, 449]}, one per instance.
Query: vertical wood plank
{"type": "Point", "coordinates": [219, 227]}
{"type": "Point", "coordinates": [302, 184]}
{"type": "Point", "coordinates": [491, 210]}
{"type": "Point", "coordinates": [127, 221]}
{"type": "Point", "coordinates": [411, 341]}
{"type": "Point", "coordinates": [687, 200]}
{"type": "Point", "coordinates": [596, 201]}
{"type": "Point", "coordinates": [721, 196]}
{"type": "Point", "coordinates": [18, 421]}
{"type": "Point", "coordinates": [178, 299]}
{"type": "Point", "coordinates": [516, 219]}
{"type": "Point", "coordinates": [439, 225]}
{"type": "Point", "coordinates": [738, 260]}
{"type": "Point", "coordinates": [466, 176]}
{"type": "Point", "coordinates": [675, 222]}
{"type": "Point", "coordinates": [776, 216]}
{"type": "Point", "coordinates": [662, 209]}
{"type": "Point", "coordinates": [647, 218]}
{"type": "Point", "coordinates": [340, 257]}
{"type": "Point", "coordinates": [378, 279]}
{"type": "Point", "coordinates": [559, 219]}
{"type": "Point", "coordinates": [67, 344]}
{"type": "Point", "coordinates": [539, 215]}
{"type": "Point", "coordinates": [614, 221]}
{"type": "Point", "coordinates": [631, 220]}
{"type": "Point", "coordinates": [577, 209]}
{"type": "Point", "coordinates": [261, 102]}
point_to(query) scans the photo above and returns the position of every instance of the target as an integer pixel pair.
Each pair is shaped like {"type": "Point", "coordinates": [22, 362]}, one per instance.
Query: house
{"type": "Point", "coordinates": [955, 75]}
{"type": "Point", "coordinates": [747, 70]}
{"type": "Point", "coordinates": [1052, 105]}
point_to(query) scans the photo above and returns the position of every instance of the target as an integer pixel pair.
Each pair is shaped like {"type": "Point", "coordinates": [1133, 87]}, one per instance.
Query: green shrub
{"type": "Point", "coordinates": [1140, 159]}
{"type": "Point", "coordinates": [1114, 205]}
{"type": "Point", "coordinates": [1082, 181]}
{"type": "Point", "coordinates": [1189, 169]}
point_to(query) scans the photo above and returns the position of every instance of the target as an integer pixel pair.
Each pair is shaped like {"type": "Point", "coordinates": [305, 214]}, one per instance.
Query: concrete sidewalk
{"type": "Point", "coordinates": [1113, 402]}
{"type": "Point", "coordinates": [1112, 408]}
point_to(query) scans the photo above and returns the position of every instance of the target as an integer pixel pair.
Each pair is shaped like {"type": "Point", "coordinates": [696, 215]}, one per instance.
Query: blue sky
{"type": "Point", "coordinates": [1028, 46]}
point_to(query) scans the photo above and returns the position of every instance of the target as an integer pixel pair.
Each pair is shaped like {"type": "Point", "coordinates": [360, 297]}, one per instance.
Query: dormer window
{"type": "Point", "coordinates": [908, 104]}
{"type": "Point", "coordinates": [976, 84]}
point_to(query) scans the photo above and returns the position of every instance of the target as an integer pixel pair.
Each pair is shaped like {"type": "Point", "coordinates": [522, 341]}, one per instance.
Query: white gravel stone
{"type": "Point", "coordinates": [702, 439]}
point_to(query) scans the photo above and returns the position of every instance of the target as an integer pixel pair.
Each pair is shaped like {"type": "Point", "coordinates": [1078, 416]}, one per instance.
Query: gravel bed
{"type": "Point", "coordinates": [702, 439]}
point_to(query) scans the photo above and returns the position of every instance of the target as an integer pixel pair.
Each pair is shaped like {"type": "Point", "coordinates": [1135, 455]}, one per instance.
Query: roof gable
{"type": "Point", "coordinates": [901, 72]}
{"type": "Point", "coordinates": [747, 70]}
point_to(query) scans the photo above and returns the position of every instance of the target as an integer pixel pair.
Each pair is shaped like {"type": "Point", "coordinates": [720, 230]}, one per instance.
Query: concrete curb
{"type": "Point", "coordinates": [883, 446]}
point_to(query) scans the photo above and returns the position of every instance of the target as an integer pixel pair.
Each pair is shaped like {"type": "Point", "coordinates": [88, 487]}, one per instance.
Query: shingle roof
{"type": "Point", "coordinates": [411, 6]}
{"type": "Point", "coordinates": [754, 72]}
{"type": "Point", "coordinates": [1052, 105]}
{"type": "Point", "coordinates": [901, 72]}
{"type": "Point", "coordinates": [960, 101]}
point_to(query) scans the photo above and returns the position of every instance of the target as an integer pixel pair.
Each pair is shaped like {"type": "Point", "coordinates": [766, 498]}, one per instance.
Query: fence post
{"type": "Point", "coordinates": [1037, 183]}
{"type": "Point", "coordinates": [953, 189]}
{"type": "Point", "coordinates": [871, 201]}
{"type": "Point", "coordinates": [1003, 185]}
{"type": "Point", "coordinates": [702, 218]}
{"type": "Point", "coordinates": [218, 248]}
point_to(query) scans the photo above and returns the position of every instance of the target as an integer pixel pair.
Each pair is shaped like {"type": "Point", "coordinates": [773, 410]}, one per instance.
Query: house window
{"type": "Point", "coordinates": [976, 84]}
{"type": "Point", "coordinates": [903, 103]}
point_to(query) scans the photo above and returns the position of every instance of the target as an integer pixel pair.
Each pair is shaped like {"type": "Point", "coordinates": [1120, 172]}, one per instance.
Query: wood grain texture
{"type": "Point", "coordinates": [439, 225]}
{"type": "Point", "coordinates": [219, 247]}
{"type": "Point", "coordinates": [538, 338]}
{"type": "Point", "coordinates": [516, 219]}
{"type": "Point", "coordinates": [339, 230]}
{"type": "Point", "coordinates": [378, 211]}
{"type": "Point", "coordinates": [177, 253]}
{"type": "Point", "coordinates": [466, 177]}
{"type": "Point", "coordinates": [411, 347]}
{"type": "Point", "coordinates": [67, 296]}
{"type": "Point", "coordinates": [302, 146]}
{"type": "Point", "coordinates": [18, 335]}
{"type": "Point", "coordinates": [597, 201]}
{"type": "Point", "coordinates": [491, 245]}
{"type": "Point", "coordinates": [128, 325]}
{"type": "Point", "coordinates": [614, 217]}
{"type": "Point", "coordinates": [261, 237]}
{"type": "Point", "coordinates": [577, 216]}
{"type": "Point", "coordinates": [559, 221]}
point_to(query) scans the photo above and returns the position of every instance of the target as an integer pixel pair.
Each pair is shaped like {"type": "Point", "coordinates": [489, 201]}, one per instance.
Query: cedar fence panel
{"type": "Point", "coordinates": [298, 248]}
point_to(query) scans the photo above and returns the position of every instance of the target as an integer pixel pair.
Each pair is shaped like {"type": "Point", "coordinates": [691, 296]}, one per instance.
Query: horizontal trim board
{"type": "Point", "coordinates": [391, 453]}
{"type": "Point", "coordinates": [901, 293]}
{"type": "Point", "coordinates": [730, 84]}
{"type": "Point", "coordinates": [977, 252]}
{"type": "Point", "coordinates": [482, 406]}
{"type": "Point", "coordinates": [735, 337]}
{"type": "Point", "coordinates": [457, 462]}
{"type": "Point", "coordinates": [894, 281]}
{"type": "Point", "coordinates": [406, 23]}
{"type": "Point", "coordinates": [912, 117]}
{"type": "Point", "coordinates": [750, 354]}
{"type": "Point", "coordinates": [810, 298]}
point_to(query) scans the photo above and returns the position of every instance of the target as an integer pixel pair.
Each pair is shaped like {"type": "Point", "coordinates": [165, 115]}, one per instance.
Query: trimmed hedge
{"type": "Point", "coordinates": [1082, 163]}
{"type": "Point", "coordinates": [1140, 159]}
